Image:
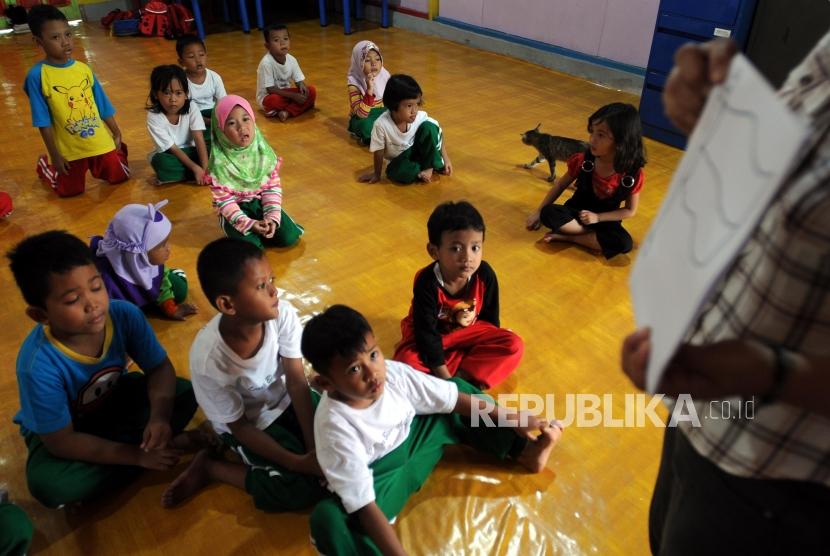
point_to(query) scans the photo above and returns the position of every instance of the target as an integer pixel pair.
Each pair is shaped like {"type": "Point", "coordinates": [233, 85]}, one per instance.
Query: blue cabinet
{"type": "Point", "coordinates": [679, 22]}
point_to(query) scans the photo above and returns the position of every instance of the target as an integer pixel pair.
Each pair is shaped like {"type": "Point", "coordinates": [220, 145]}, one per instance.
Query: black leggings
{"type": "Point", "coordinates": [612, 237]}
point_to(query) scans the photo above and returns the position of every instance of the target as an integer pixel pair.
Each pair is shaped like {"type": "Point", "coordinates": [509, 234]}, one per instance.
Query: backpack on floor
{"type": "Point", "coordinates": [180, 21]}
{"type": "Point", "coordinates": [154, 21]}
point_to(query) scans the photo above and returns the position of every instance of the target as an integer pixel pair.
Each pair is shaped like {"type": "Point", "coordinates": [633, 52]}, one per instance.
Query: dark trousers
{"type": "Point", "coordinates": [698, 509]}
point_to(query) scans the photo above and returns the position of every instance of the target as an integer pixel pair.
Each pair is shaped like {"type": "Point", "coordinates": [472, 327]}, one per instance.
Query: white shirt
{"type": "Point", "coordinates": [271, 73]}
{"type": "Point", "coordinates": [165, 135]}
{"type": "Point", "coordinates": [348, 440]}
{"type": "Point", "coordinates": [386, 135]}
{"type": "Point", "coordinates": [228, 387]}
{"type": "Point", "coordinates": [206, 95]}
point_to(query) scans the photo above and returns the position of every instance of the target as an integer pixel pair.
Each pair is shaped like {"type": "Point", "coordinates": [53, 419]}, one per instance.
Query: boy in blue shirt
{"type": "Point", "coordinates": [70, 109]}
{"type": "Point", "coordinates": [90, 425]}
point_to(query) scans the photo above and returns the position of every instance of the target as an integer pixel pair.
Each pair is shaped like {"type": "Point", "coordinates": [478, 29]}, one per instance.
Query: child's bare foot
{"type": "Point", "coordinates": [425, 175]}
{"type": "Point", "coordinates": [550, 237]}
{"type": "Point", "coordinates": [153, 180]}
{"type": "Point", "coordinates": [535, 455]}
{"type": "Point", "coordinates": [191, 481]}
{"type": "Point", "coordinates": [283, 115]}
{"type": "Point", "coordinates": [200, 438]}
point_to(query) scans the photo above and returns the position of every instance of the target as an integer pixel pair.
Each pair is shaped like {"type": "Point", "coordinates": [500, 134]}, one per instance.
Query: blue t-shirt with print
{"type": "Point", "coordinates": [56, 384]}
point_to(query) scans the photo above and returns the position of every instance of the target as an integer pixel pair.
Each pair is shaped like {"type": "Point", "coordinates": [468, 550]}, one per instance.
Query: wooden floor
{"type": "Point", "coordinates": [363, 244]}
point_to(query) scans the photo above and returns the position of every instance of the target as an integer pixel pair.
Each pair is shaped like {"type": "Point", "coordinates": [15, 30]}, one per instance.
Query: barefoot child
{"type": "Point", "coordinates": [380, 429]}
{"type": "Point", "coordinates": [87, 422]}
{"type": "Point", "coordinates": [248, 375]}
{"type": "Point", "coordinates": [176, 128]}
{"type": "Point", "coordinates": [244, 179]}
{"type": "Point", "coordinates": [608, 175]}
{"type": "Point", "coordinates": [453, 322]}
{"type": "Point", "coordinates": [274, 75]}
{"type": "Point", "coordinates": [366, 83]}
{"type": "Point", "coordinates": [131, 257]}
{"type": "Point", "coordinates": [411, 141]}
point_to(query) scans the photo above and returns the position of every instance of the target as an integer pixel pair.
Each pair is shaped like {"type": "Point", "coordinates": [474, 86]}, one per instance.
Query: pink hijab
{"type": "Point", "coordinates": [227, 103]}
{"type": "Point", "coordinates": [357, 77]}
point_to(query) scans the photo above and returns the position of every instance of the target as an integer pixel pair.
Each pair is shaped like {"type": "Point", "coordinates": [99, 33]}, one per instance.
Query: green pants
{"type": "Point", "coordinates": [273, 487]}
{"type": "Point", "coordinates": [207, 115]}
{"type": "Point", "coordinates": [15, 530]}
{"type": "Point", "coordinates": [286, 235]}
{"type": "Point", "coordinates": [403, 471]}
{"type": "Point", "coordinates": [170, 169]}
{"type": "Point", "coordinates": [362, 127]}
{"type": "Point", "coordinates": [178, 283]}
{"type": "Point", "coordinates": [424, 153]}
{"type": "Point", "coordinates": [55, 481]}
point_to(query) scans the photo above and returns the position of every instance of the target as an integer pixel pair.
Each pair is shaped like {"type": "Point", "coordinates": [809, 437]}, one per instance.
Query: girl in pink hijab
{"type": "Point", "coordinates": [366, 83]}
{"type": "Point", "coordinates": [243, 175]}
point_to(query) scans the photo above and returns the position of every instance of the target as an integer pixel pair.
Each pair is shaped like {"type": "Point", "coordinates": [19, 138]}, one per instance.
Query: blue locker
{"type": "Point", "coordinates": [679, 22]}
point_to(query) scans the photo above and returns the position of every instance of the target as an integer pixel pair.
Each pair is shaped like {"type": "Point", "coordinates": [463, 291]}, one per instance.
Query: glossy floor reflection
{"type": "Point", "coordinates": [362, 247]}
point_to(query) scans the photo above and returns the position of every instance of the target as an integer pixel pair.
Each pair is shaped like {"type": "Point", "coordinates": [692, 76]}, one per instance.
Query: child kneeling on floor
{"type": "Point", "coordinates": [380, 429]}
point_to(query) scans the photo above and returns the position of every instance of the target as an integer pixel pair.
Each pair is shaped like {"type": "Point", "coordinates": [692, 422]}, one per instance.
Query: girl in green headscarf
{"type": "Point", "coordinates": [244, 179]}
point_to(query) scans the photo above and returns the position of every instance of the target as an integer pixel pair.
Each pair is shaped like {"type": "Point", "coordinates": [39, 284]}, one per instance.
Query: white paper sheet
{"type": "Point", "coordinates": [746, 142]}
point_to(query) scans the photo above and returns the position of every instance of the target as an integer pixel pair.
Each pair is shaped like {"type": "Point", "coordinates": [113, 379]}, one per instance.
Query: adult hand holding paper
{"type": "Point", "coordinates": [744, 145]}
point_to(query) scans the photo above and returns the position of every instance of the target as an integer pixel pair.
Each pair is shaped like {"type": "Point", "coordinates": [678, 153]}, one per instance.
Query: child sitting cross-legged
{"type": "Point", "coordinates": [380, 429]}
{"type": "Point", "coordinates": [248, 375]}
{"type": "Point", "coordinates": [89, 424]}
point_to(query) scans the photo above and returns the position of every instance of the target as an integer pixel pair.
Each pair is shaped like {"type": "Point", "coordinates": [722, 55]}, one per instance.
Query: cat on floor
{"type": "Point", "coordinates": [551, 148]}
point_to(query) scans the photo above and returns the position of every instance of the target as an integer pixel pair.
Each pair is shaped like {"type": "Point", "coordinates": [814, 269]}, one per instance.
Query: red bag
{"type": "Point", "coordinates": [181, 21]}
{"type": "Point", "coordinates": [155, 21]}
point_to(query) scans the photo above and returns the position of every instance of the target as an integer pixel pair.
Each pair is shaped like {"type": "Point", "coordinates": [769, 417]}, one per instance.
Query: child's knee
{"type": "Point", "coordinates": [514, 343]}
{"type": "Point", "coordinates": [54, 492]}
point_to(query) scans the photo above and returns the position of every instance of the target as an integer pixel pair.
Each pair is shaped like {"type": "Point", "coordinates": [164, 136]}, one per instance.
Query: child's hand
{"type": "Point", "coordinates": [447, 169]}
{"type": "Point", "coordinates": [260, 227]}
{"type": "Point", "coordinates": [160, 460]}
{"type": "Point", "coordinates": [370, 84]}
{"type": "Point", "coordinates": [533, 222]}
{"type": "Point", "coordinates": [307, 464]}
{"type": "Point", "coordinates": [157, 434]}
{"type": "Point", "coordinates": [61, 164]}
{"type": "Point", "coordinates": [369, 178]}
{"type": "Point", "coordinates": [587, 217]}
{"type": "Point", "coordinates": [200, 175]}
{"type": "Point", "coordinates": [117, 139]}
{"type": "Point", "coordinates": [184, 310]}
{"type": "Point", "coordinates": [272, 228]}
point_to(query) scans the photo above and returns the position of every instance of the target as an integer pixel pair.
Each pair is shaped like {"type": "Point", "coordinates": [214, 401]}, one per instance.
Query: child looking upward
{"type": "Point", "coordinates": [381, 428]}
{"type": "Point", "coordinates": [453, 323]}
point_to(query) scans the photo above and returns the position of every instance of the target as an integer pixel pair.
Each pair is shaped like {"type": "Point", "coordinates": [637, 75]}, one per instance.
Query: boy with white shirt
{"type": "Point", "coordinates": [274, 75]}
{"type": "Point", "coordinates": [247, 373]}
{"type": "Point", "coordinates": [205, 85]}
{"type": "Point", "coordinates": [381, 426]}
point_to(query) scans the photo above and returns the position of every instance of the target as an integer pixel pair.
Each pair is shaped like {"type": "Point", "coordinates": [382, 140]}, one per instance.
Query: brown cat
{"type": "Point", "coordinates": [551, 148]}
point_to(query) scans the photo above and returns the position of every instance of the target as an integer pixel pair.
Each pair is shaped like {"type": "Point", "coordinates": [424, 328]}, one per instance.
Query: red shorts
{"type": "Point", "coordinates": [111, 166]}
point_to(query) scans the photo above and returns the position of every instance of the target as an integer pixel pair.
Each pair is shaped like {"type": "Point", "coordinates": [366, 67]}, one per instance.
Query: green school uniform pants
{"type": "Point", "coordinates": [362, 127]}
{"type": "Point", "coordinates": [402, 472]}
{"type": "Point", "coordinates": [288, 233]}
{"type": "Point", "coordinates": [55, 481]}
{"type": "Point", "coordinates": [273, 487]}
{"type": "Point", "coordinates": [15, 530]}
{"type": "Point", "coordinates": [424, 153]}
{"type": "Point", "coordinates": [170, 169]}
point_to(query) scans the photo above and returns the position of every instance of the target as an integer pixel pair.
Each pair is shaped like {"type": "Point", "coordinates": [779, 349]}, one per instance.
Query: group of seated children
{"type": "Point", "coordinates": [374, 434]}
{"type": "Point", "coordinates": [385, 114]}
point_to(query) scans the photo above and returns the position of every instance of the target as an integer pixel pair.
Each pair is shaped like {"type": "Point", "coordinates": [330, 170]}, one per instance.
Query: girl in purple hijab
{"type": "Point", "coordinates": [131, 257]}
{"type": "Point", "coordinates": [366, 81]}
